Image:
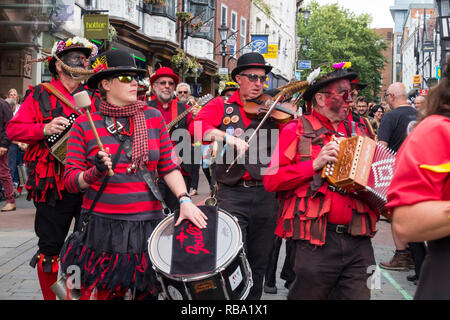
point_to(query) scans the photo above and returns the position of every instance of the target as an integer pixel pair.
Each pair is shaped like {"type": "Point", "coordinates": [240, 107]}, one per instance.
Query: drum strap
{"type": "Point", "coordinates": [146, 175]}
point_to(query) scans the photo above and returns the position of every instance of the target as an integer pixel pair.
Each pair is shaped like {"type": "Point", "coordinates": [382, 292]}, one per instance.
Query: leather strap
{"type": "Point", "coordinates": [146, 175]}
{"type": "Point", "coordinates": [60, 96]}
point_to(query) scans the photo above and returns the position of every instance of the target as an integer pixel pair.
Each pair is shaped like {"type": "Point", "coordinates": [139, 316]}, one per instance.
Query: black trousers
{"type": "Point", "coordinates": [340, 266]}
{"type": "Point", "coordinates": [287, 273]}
{"type": "Point", "coordinates": [256, 210]}
{"type": "Point", "coordinates": [52, 224]}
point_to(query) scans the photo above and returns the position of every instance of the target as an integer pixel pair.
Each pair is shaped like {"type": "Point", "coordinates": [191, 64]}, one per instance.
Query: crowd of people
{"type": "Point", "coordinates": [129, 159]}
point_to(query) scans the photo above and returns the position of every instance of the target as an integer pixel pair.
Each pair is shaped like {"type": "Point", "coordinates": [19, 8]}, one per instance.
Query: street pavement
{"type": "Point", "coordinates": [18, 243]}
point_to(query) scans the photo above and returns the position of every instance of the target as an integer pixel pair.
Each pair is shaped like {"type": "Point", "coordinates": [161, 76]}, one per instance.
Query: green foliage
{"type": "Point", "coordinates": [336, 34]}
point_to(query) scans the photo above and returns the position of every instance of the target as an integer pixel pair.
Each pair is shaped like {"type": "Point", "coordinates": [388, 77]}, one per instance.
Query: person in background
{"type": "Point", "coordinates": [163, 83]}
{"type": "Point", "coordinates": [392, 132]}
{"type": "Point", "coordinates": [15, 152]}
{"type": "Point", "coordinates": [419, 194]}
{"type": "Point", "coordinates": [183, 92]}
{"type": "Point", "coordinates": [420, 104]}
{"type": "Point", "coordinates": [377, 113]}
{"type": "Point", "coordinates": [5, 176]}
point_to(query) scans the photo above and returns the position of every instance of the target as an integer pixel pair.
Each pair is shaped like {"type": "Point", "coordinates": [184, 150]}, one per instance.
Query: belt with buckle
{"type": "Point", "coordinates": [250, 183]}
{"type": "Point", "coordinates": [338, 228]}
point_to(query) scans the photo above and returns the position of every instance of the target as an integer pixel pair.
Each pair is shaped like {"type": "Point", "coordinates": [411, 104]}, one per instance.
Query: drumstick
{"type": "Point", "coordinates": [84, 102]}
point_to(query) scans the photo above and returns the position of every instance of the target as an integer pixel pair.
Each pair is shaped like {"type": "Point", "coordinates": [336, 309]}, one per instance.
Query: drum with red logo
{"type": "Point", "coordinates": [232, 278]}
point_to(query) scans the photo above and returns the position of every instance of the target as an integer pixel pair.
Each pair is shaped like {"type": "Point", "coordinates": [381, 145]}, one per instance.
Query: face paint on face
{"type": "Point", "coordinates": [337, 101]}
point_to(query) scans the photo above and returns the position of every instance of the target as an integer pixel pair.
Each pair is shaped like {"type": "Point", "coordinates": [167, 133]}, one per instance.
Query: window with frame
{"type": "Point", "coordinates": [203, 10]}
{"type": "Point", "coordinates": [224, 15]}
{"type": "Point", "coordinates": [243, 33]}
{"type": "Point", "coordinates": [168, 10]}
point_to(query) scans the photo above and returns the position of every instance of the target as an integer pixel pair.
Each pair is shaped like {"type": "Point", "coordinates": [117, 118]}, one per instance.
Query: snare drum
{"type": "Point", "coordinates": [232, 278]}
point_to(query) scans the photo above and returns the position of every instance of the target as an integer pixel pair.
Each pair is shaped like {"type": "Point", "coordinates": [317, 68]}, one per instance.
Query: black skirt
{"type": "Point", "coordinates": [112, 254]}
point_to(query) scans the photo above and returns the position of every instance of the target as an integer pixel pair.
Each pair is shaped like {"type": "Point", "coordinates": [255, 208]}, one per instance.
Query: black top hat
{"type": "Point", "coordinates": [250, 60]}
{"type": "Point", "coordinates": [328, 79]}
{"type": "Point", "coordinates": [111, 64]}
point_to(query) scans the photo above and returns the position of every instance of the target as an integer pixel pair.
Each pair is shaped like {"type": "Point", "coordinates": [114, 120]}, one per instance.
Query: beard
{"type": "Point", "coordinates": [162, 96]}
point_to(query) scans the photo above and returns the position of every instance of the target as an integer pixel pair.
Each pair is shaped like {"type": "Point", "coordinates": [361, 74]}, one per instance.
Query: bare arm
{"type": "Point", "coordinates": [428, 220]}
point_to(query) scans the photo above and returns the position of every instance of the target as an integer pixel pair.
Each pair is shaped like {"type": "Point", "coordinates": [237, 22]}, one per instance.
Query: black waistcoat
{"type": "Point", "coordinates": [257, 157]}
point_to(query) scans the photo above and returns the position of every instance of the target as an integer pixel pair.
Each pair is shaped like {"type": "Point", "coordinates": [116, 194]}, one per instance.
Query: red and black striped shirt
{"type": "Point", "coordinates": [124, 193]}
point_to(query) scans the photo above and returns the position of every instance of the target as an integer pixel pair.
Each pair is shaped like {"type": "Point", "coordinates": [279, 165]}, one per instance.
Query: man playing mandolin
{"type": "Point", "coordinates": [163, 83]}
{"type": "Point", "coordinates": [240, 189]}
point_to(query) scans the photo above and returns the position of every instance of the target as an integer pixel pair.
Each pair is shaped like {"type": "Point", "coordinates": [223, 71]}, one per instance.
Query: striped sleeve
{"type": "Point", "coordinates": [76, 159]}
{"type": "Point", "coordinates": [167, 159]}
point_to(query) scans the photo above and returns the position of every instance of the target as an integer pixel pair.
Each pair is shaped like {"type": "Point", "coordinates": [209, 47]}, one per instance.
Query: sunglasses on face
{"type": "Point", "coordinates": [164, 83]}
{"type": "Point", "coordinates": [345, 95]}
{"type": "Point", "coordinates": [126, 78]}
{"type": "Point", "coordinates": [254, 77]}
{"type": "Point", "coordinates": [182, 92]}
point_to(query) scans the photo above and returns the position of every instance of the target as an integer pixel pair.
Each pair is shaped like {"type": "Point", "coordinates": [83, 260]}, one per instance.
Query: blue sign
{"type": "Point", "coordinates": [260, 43]}
{"type": "Point", "coordinates": [304, 64]}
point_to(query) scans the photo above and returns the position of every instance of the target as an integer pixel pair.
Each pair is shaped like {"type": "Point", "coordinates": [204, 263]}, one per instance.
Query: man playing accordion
{"type": "Point", "coordinates": [45, 113]}
{"type": "Point", "coordinates": [331, 229]}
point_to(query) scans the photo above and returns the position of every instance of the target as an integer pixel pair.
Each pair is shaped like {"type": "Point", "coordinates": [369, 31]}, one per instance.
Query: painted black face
{"type": "Point", "coordinates": [75, 59]}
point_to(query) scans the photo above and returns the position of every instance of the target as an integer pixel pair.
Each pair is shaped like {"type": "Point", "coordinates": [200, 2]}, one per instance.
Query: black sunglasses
{"type": "Point", "coordinates": [254, 77]}
{"type": "Point", "coordinates": [180, 92]}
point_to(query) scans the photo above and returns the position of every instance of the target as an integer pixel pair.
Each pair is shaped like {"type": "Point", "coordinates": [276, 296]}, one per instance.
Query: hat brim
{"type": "Point", "coordinates": [238, 70]}
{"type": "Point", "coordinates": [105, 74]}
{"type": "Point", "coordinates": [225, 90]}
{"type": "Point", "coordinates": [358, 86]}
{"type": "Point", "coordinates": [52, 62]}
{"type": "Point", "coordinates": [309, 93]}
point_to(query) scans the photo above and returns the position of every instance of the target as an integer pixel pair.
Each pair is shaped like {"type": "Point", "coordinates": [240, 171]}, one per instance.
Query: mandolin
{"type": "Point", "coordinates": [201, 102]}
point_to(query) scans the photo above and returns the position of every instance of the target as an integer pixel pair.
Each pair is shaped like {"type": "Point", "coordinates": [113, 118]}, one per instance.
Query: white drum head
{"type": "Point", "coordinates": [229, 241]}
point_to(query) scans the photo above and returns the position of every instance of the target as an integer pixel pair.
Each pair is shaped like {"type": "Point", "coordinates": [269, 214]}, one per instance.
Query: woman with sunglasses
{"type": "Point", "coordinates": [113, 255]}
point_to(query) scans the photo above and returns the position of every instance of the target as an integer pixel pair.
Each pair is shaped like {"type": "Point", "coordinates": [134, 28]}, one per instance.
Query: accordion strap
{"type": "Point", "coordinates": [60, 96]}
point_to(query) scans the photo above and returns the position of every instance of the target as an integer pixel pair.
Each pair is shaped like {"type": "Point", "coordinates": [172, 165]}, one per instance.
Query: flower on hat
{"type": "Point", "coordinates": [100, 64]}
{"type": "Point", "coordinates": [342, 65]}
{"type": "Point", "coordinates": [75, 41]}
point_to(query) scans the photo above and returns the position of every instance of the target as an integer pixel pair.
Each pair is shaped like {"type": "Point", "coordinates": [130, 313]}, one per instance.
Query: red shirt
{"type": "Point", "coordinates": [170, 113]}
{"type": "Point", "coordinates": [428, 144]}
{"type": "Point", "coordinates": [285, 174]}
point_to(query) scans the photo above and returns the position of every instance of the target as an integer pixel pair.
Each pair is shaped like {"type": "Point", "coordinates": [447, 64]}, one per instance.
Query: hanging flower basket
{"type": "Point", "coordinates": [188, 65]}
{"type": "Point", "coordinates": [187, 19]}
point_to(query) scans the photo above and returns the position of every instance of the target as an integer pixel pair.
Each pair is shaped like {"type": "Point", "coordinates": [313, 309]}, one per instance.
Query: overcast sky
{"type": "Point", "coordinates": [379, 9]}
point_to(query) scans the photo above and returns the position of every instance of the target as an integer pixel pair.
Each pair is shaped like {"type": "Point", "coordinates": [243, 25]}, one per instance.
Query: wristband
{"type": "Point", "coordinates": [185, 200]}
{"type": "Point", "coordinates": [45, 133]}
{"type": "Point", "coordinates": [185, 194]}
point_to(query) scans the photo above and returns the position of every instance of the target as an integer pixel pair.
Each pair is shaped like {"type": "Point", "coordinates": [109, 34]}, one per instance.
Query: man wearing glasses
{"type": "Point", "coordinates": [163, 83]}
{"type": "Point", "coordinates": [240, 190]}
{"type": "Point", "coordinates": [330, 230]}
